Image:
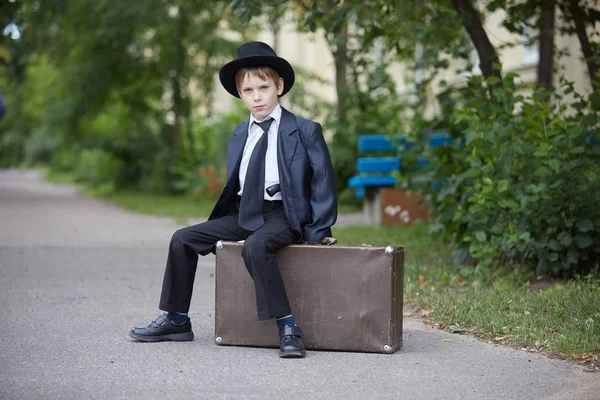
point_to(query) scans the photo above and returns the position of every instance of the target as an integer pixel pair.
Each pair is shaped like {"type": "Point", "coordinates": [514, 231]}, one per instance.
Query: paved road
{"type": "Point", "coordinates": [77, 273]}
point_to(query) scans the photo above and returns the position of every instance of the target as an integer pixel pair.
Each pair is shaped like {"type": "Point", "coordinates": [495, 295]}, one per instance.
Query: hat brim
{"type": "Point", "coordinates": [283, 68]}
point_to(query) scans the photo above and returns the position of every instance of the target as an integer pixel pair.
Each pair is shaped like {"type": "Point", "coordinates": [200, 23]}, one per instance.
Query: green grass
{"type": "Point", "coordinates": [348, 208]}
{"type": "Point", "coordinates": [178, 207]}
{"type": "Point", "coordinates": [492, 303]}
{"type": "Point", "coordinates": [415, 237]}
{"type": "Point", "coordinates": [562, 319]}
{"type": "Point", "coordinates": [57, 177]}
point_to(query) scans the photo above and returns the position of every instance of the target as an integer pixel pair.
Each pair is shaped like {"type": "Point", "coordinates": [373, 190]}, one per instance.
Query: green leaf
{"type": "Point", "coordinates": [455, 329]}
{"type": "Point", "coordinates": [590, 120]}
{"type": "Point", "coordinates": [525, 236]}
{"type": "Point", "coordinates": [508, 204]}
{"type": "Point", "coordinates": [502, 185]}
{"type": "Point", "coordinates": [492, 80]}
{"type": "Point", "coordinates": [487, 181]}
{"type": "Point", "coordinates": [554, 245]}
{"type": "Point", "coordinates": [565, 239]}
{"type": "Point", "coordinates": [554, 164]}
{"type": "Point", "coordinates": [473, 173]}
{"type": "Point", "coordinates": [543, 171]}
{"type": "Point", "coordinates": [595, 100]}
{"type": "Point", "coordinates": [584, 225]}
{"type": "Point", "coordinates": [583, 240]}
{"type": "Point", "coordinates": [481, 236]}
{"type": "Point", "coordinates": [577, 150]}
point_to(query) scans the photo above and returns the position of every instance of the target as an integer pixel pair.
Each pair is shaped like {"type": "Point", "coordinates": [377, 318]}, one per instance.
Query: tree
{"type": "Point", "coordinates": [546, 43]}
{"type": "Point", "coordinates": [580, 16]}
{"type": "Point", "coordinates": [488, 57]}
{"type": "Point", "coordinates": [538, 21]}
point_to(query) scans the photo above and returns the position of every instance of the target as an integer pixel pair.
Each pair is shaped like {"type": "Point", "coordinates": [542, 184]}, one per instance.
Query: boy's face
{"type": "Point", "coordinates": [260, 96]}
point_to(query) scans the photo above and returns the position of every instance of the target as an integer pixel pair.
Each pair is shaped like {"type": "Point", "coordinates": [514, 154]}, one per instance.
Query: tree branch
{"type": "Point", "coordinates": [488, 58]}
{"type": "Point", "coordinates": [546, 49]}
{"type": "Point", "coordinates": [572, 7]}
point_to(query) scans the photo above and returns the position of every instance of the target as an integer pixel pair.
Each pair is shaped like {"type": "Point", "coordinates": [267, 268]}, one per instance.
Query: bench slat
{"type": "Point", "coordinates": [375, 143]}
{"type": "Point", "coordinates": [357, 181]}
{"type": "Point", "coordinates": [378, 164]}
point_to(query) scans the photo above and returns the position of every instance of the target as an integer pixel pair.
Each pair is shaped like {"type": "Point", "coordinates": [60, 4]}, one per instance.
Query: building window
{"type": "Point", "coordinates": [531, 53]}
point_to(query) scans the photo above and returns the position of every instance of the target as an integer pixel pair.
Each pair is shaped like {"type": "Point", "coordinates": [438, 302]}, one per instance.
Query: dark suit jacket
{"type": "Point", "coordinates": [305, 174]}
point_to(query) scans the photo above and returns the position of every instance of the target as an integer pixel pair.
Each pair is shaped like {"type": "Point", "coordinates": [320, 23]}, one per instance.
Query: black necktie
{"type": "Point", "coordinates": [251, 204]}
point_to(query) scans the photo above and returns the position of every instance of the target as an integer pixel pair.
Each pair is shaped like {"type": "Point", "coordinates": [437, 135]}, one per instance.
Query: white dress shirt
{"type": "Point", "coordinates": [255, 132]}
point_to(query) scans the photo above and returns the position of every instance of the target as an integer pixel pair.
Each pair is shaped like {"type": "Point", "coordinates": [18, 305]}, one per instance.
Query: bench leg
{"type": "Point", "coordinates": [372, 206]}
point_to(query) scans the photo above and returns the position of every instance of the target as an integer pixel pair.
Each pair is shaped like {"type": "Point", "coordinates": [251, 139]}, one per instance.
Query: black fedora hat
{"type": "Point", "coordinates": [256, 54]}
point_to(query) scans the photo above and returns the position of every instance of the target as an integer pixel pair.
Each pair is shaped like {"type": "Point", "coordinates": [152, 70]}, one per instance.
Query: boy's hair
{"type": "Point", "coordinates": [260, 72]}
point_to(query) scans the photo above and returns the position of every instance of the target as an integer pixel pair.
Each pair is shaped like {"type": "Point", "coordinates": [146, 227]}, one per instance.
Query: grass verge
{"type": "Point", "coordinates": [180, 208]}
{"type": "Point", "coordinates": [498, 305]}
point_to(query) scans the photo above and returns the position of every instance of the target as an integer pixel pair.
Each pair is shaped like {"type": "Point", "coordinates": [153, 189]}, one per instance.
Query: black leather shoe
{"type": "Point", "coordinates": [163, 328]}
{"type": "Point", "coordinates": [290, 342]}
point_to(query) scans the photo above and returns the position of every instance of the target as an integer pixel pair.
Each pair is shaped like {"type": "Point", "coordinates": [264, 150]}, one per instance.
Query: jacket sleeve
{"type": "Point", "coordinates": [323, 198]}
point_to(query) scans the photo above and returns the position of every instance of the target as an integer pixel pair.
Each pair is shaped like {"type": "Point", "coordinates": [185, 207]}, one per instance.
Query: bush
{"type": "Point", "coordinates": [64, 160]}
{"type": "Point", "coordinates": [525, 187]}
{"type": "Point", "coordinates": [40, 147]}
{"type": "Point", "coordinates": [98, 169]}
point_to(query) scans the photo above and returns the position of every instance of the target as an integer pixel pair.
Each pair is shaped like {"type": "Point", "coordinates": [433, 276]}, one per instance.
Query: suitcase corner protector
{"type": "Point", "coordinates": [219, 340]}
{"type": "Point", "coordinates": [391, 349]}
{"type": "Point", "coordinates": [394, 249]}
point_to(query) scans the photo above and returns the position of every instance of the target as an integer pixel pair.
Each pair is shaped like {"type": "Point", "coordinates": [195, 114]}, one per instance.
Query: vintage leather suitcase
{"type": "Point", "coordinates": [345, 298]}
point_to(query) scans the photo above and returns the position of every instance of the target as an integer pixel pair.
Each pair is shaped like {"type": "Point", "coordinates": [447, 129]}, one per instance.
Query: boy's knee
{"type": "Point", "coordinates": [179, 237]}
{"type": "Point", "coordinates": [252, 248]}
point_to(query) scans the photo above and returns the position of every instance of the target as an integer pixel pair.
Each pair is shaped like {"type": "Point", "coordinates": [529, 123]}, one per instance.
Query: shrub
{"type": "Point", "coordinates": [98, 169]}
{"type": "Point", "coordinates": [64, 160]}
{"type": "Point", "coordinates": [525, 186]}
{"type": "Point", "coordinates": [40, 147]}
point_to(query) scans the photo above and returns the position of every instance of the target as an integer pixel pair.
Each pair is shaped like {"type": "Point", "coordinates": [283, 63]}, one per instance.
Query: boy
{"type": "Point", "coordinates": [280, 190]}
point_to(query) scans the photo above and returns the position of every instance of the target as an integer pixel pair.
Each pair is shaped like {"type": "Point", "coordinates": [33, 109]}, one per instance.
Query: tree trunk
{"type": "Point", "coordinates": [546, 44]}
{"type": "Point", "coordinates": [572, 8]}
{"type": "Point", "coordinates": [488, 58]}
{"type": "Point", "coordinates": [340, 57]}
{"type": "Point", "coordinates": [207, 83]}
{"type": "Point", "coordinates": [177, 78]}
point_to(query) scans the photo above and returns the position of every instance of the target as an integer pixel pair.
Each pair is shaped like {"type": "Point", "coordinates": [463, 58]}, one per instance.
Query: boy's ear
{"type": "Point", "coordinates": [280, 87]}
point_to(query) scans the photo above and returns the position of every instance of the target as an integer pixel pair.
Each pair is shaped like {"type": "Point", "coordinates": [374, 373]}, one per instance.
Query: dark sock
{"type": "Point", "coordinates": [287, 320]}
{"type": "Point", "coordinates": [177, 318]}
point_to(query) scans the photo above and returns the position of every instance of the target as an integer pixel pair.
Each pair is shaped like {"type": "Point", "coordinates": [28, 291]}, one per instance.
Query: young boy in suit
{"type": "Point", "coordinates": [280, 190]}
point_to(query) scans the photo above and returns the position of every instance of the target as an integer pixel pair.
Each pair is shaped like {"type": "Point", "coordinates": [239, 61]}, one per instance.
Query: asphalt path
{"type": "Point", "coordinates": [77, 273]}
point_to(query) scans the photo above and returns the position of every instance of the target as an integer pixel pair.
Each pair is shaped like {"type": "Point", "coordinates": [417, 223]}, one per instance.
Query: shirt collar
{"type": "Point", "coordinates": [275, 114]}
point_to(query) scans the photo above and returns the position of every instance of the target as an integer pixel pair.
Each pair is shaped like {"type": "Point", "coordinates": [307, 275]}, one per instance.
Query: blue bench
{"type": "Point", "coordinates": [375, 173]}
{"type": "Point", "coordinates": [374, 165]}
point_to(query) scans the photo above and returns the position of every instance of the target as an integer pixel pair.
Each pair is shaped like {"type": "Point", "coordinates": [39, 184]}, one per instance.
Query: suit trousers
{"type": "Point", "coordinates": [258, 253]}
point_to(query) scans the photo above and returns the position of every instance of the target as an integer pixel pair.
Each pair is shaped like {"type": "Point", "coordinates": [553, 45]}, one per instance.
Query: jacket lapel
{"type": "Point", "coordinates": [288, 137]}
{"type": "Point", "coordinates": [236, 146]}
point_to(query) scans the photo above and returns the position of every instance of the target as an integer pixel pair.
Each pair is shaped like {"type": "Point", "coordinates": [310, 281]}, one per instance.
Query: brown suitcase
{"type": "Point", "coordinates": [345, 298]}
